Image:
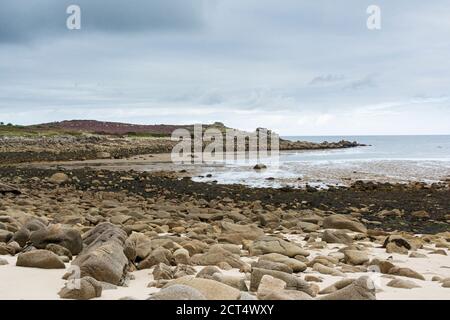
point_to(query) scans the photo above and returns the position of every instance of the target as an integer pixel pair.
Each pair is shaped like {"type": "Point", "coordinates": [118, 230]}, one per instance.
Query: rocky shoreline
{"type": "Point", "coordinates": [18, 149]}
{"type": "Point", "coordinates": [133, 235]}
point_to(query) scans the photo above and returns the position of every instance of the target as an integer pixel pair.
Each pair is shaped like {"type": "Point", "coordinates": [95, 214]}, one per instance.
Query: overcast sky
{"type": "Point", "coordinates": [306, 67]}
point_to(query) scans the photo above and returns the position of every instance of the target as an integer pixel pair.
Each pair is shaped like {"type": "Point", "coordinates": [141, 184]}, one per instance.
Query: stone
{"type": "Point", "coordinates": [383, 265]}
{"type": "Point", "coordinates": [269, 285]}
{"type": "Point", "coordinates": [446, 283]}
{"type": "Point", "coordinates": [57, 234]}
{"type": "Point", "coordinates": [415, 254]}
{"type": "Point", "coordinates": [208, 272]}
{"type": "Point", "coordinates": [337, 286]}
{"type": "Point", "coordinates": [83, 289]}
{"type": "Point", "coordinates": [291, 263]}
{"type": "Point", "coordinates": [59, 178]}
{"type": "Point", "coordinates": [355, 257]}
{"type": "Point", "coordinates": [217, 255]}
{"type": "Point", "coordinates": [287, 295]}
{"type": "Point", "coordinates": [362, 288]}
{"type": "Point", "coordinates": [183, 270]}
{"type": "Point", "coordinates": [5, 235]}
{"type": "Point", "coordinates": [268, 244]}
{"type": "Point", "coordinates": [338, 236]}
{"type": "Point", "coordinates": [22, 236]}
{"type": "Point", "coordinates": [312, 278]}
{"type": "Point", "coordinates": [327, 270]}
{"type": "Point", "coordinates": [338, 221]}
{"type": "Point", "coordinates": [103, 155]}
{"type": "Point", "coordinates": [307, 226]}
{"type": "Point", "coordinates": [399, 242]}
{"type": "Point", "coordinates": [159, 255]}
{"type": "Point", "coordinates": [178, 292]}
{"type": "Point", "coordinates": [292, 282]}
{"type": "Point", "coordinates": [237, 282]}
{"type": "Point", "coordinates": [162, 272]}
{"type": "Point", "coordinates": [422, 214]}
{"type": "Point", "coordinates": [40, 259]}
{"type": "Point", "coordinates": [210, 289]}
{"type": "Point", "coordinates": [181, 256]}
{"type": "Point", "coordinates": [3, 262]}
{"type": "Point", "coordinates": [403, 284]}
{"type": "Point", "coordinates": [439, 251]}
{"type": "Point", "coordinates": [271, 265]}
{"type": "Point", "coordinates": [392, 247]}
{"type": "Point", "coordinates": [236, 233]}
{"type": "Point", "coordinates": [105, 263]}
{"type": "Point", "coordinates": [138, 246]}
{"type": "Point", "coordinates": [59, 250]}
{"type": "Point", "coordinates": [260, 166]}
{"type": "Point", "coordinates": [6, 249]}
{"type": "Point", "coordinates": [406, 272]}
{"type": "Point", "coordinates": [247, 296]}
{"type": "Point", "coordinates": [103, 258]}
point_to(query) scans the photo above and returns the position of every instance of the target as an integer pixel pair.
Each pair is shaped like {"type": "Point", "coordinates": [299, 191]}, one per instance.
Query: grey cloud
{"type": "Point", "coordinates": [324, 79]}
{"type": "Point", "coordinates": [23, 20]}
{"type": "Point", "coordinates": [366, 82]}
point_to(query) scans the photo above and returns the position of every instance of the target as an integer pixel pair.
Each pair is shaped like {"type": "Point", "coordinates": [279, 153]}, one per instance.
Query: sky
{"type": "Point", "coordinates": [299, 67]}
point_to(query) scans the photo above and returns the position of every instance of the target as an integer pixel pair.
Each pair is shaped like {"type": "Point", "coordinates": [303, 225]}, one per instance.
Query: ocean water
{"type": "Point", "coordinates": [380, 148]}
{"type": "Point", "coordinates": [385, 159]}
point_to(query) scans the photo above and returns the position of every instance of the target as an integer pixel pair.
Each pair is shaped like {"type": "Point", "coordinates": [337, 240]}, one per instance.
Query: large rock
{"type": "Point", "coordinates": [292, 282]}
{"type": "Point", "coordinates": [162, 272]}
{"type": "Point", "coordinates": [235, 233]}
{"type": "Point", "coordinates": [398, 241]}
{"type": "Point", "coordinates": [81, 289]}
{"type": "Point", "coordinates": [210, 289]}
{"type": "Point", "coordinates": [337, 286]}
{"type": "Point", "coordinates": [106, 262]}
{"type": "Point", "coordinates": [294, 264]}
{"type": "Point", "coordinates": [271, 265]}
{"type": "Point", "coordinates": [338, 221]}
{"type": "Point", "coordinates": [181, 256]}
{"type": "Point", "coordinates": [57, 234]}
{"type": "Point", "coordinates": [356, 257]}
{"type": "Point", "coordinates": [5, 235]}
{"type": "Point", "coordinates": [140, 244]}
{"type": "Point", "coordinates": [178, 292]}
{"type": "Point", "coordinates": [268, 244]}
{"type": "Point", "coordinates": [269, 285]}
{"type": "Point", "coordinates": [40, 259]}
{"type": "Point", "coordinates": [159, 255]}
{"type": "Point", "coordinates": [59, 250]}
{"type": "Point", "coordinates": [217, 255]}
{"type": "Point", "coordinates": [338, 236]}
{"type": "Point", "coordinates": [237, 282]}
{"type": "Point", "coordinates": [103, 258]}
{"type": "Point", "coordinates": [402, 284]}
{"type": "Point", "coordinates": [360, 289]}
{"type": "Point", "coordinates": [327, 270]}
{"type": "Point", "coordinates": [406, 272]}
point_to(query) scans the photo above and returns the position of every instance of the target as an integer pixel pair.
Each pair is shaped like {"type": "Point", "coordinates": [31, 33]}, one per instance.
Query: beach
{"type": "Point", "coordinates": [164, 227]}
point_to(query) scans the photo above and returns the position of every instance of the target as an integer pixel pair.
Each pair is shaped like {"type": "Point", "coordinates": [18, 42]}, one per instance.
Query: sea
{"type": "Point", "coordinates": [393, 159]}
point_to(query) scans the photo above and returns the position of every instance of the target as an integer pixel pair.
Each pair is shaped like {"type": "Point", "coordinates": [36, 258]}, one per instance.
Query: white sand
{"type": "Point", "coordinates": [40, 284]}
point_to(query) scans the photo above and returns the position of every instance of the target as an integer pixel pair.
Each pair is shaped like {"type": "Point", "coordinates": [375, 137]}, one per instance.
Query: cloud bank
{"type": "Point", "coordinates": [299, 67]}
